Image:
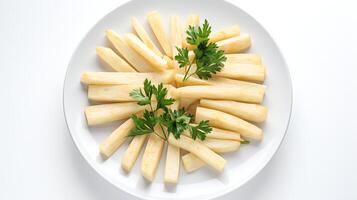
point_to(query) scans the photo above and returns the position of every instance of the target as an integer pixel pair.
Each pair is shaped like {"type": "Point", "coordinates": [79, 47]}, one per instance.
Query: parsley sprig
{"type": "Point", "coordinates": [208, 59]}
{"type": "Point", "coordinates": [170, 121]}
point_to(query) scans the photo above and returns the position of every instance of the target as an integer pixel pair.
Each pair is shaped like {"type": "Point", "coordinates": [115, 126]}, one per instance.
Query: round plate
{"type": "Point", "coordinates": [204, 183]}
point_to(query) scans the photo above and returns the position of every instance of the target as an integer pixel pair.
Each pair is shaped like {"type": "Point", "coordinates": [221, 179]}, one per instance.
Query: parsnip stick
{"type": "Point", "coordinates": [152, 155]}
{"type": "Point", "coordinates": [111, 93]}
{"type": "Point", "coordinates": [194, 80]}
{"type": "Point", "coordinates": [192, 20]}
{"type": "Point", "coordinates": [235, 44]}
{"type": "Point", "coordinates": [244, 58]}
{"type": "Point", "coordinates": [113, 142]}
{"type": "Point", "coordinates": [144, 36]}
{"type": "Point", "coordinates": [100, 114]}
{"type": "Point", "coordinates": [156, 61]}
{"type": "Point", "coordinates": [200, 150]}
{"type": "Point", "coordinates": [137, 61]}
{"type": "Point", "coordinates": [126, 78]}
{"type": "Point", "coordinates": [132, 152]}
{"type": "Point", "coordinates": [247, 111]}
{"type": "Point", "coordinates": [247, 72]}
{"type": "Point", "coordinates": [170, 62]}
{"type": "Point", "coordinates": [225, 33]}
{"type": "Point", "coordinates": [176, 37]}
{"type": "Point", "coordinates": [113, 60]}
{"type": "Point", "coordinates": [191, 162]}
{"type": "Point", "coordinates": [221, 119]}
{"type": "Point", "coordinates": [172, 164]}
{"type": "Point", "coordinates": [157, 26]}
{"type": "Point", "coordinates": [226, 92]}
{"type": "Point", "coordinates": [221, 146]}
{"type": "Point", "coordinates": [221, 134]}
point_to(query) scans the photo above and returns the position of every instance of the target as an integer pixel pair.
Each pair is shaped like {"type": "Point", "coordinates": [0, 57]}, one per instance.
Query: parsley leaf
{"type": "Point", "coordinates": [197, 35]}
{"type": "Point", "coordinates": [244, 142]}
{"type": "Point", "coordinates": [201, 130]}
{"type": "Point", "coordinates": [160, 93]}
{"type": "Point", "coordinates": [182, 57]}
{"type": "Point", "coordinates": [143, 125]}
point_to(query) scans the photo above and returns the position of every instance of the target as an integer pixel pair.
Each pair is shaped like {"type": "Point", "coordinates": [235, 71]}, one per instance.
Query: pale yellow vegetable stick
{"type": "Point", "coordinates": [144, 36]}
{"type": "Point", "coordinates": [221, 134]}
{"type": "Point", "coordinates": [225, 33]}
{"type": "Point", "coordinates": [111, 93]}
{"type": "Point", "coordinates": [248, 72]}
{"type": "Point", "coordinates": [170, 62]}
{"type": "Point", "coordinates": [192, 20]}
{"type": "Point", "coordinates": [194, 80]}
{"type": "Point", "coordinates": [152, 155]}
{"type": "Point", "coordinates": [227, 121]}
{"type": "Point", "coordinates": [243, 58]}
{"type": "Point", "coordinates": [126, 78]}
{"type": "Point", "coordinates": [221, 146]}
{"type": "Point", "coordinates": [200, 150]}
{"type": "Point", "coordinates": [100, 114]}
{"type": "Point", "coordinates": [191, 162]}
{"type": "Point", "coordinates": [172, 164]}
{"type": "Point", "coordinates": [221, 92]}
{"type": "Point", "coordinates": [246, 111]}
{"type": "Point", "coordinates": [157, 26]}
{"type": "Point", "coordinates": [132, 152]}
{"type": "Point", "coordinates": [118, 136]}
{"type": "Point", "coordinates": [113, 60]}
{"type": "Point", "coordinates": [156, 61]}
{"type": "Point", "coordinates": [137, 61]}
{"type": "Point", "coordinates": [176, 36]}
{"type": "Point", "coordinates": [235, 44]}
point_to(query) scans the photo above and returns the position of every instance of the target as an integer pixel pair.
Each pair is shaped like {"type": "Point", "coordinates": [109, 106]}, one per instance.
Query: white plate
{"type": "Point", "coordinates": [202, 184]}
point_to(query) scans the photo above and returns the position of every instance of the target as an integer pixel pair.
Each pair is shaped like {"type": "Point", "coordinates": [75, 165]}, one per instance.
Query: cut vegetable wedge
{"type": "Point", "coordinates": [247, 111]}
{"type": "Point", "coordinates": [223, 92]}
{"type": "Point", "coordinates": [156, 61]}
{"type": "Point", "coordinates": [132, 152]}
{"type": "Point", "coordinates": [176, 37]}
{"type": "Point", "coordinates": [200, 150]}
{"type": "Point", "coordinates": [221, 146]}
{"type": "Point", "coordinates": [248, 72]}
{"type": "Point", "coordinates": [191, 162]}
{"type": "Point", "coordinates": [118, 136]}
{"type": "Point", "coordinates": [121, 45]}
{"type": "Point", "coordinates": [224, 120]}
{"type": "Point", "coordinates": [157, 26]}
{"type": "Point", "coordinates": [221, 134]}
{"type": "Point", "coordinates": [111, 93]}
{"type": "Point", "coordinates": [172, 164]}
{"type": "Point", "coordinates": [144, 36]}
{"type": "Point", "coordinates": [235, 44]}
{"type": "Point", "coordinates": [113, 60]}
{"type": "Point", "coordinates": [225, 33]}
{"type": "Point", "coordinates": [126, 78]}
{"type": "Point", "coordinates": [243, 58]}
{"type": "Point", "coordinates": [100, 114]}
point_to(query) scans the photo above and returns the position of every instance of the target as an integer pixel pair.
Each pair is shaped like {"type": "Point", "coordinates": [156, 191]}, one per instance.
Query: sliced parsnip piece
{"type": "Point", "coordinates": [192, 20]}
{"type": "Point", "coordinates": [221, 146]}
{"type": "Point", "coordinates": [221, 119]}
{"type": "Point", "coordinates": [200, 150]}
{"type": "Point", "coordinates": [151, 157]}
{"type": "Point", "coordinates": [144, 36]}
{"type": "Point", "coordinates": [247, 111]}
{"type": "Point", "coordinates": [221, 134]}
{"type": "Point", "coordinates": [172, 164]}
{"type": "Point", "coordinates": [137, 61]}
{"type": "Point", "coordinates": [176, 37]}
{"type": "Point", "coordinates": [191, 162]}
{"type": "Point", "coordinates": [126, 78]}
{"type": "Point", "coordinates": [194, 80]}
{"type": "Point", "coordinates": [113, 60]}
{"type": "Point", "coordinates": [170, 62]}
{"type": "Point", "coordinates": [235, 44]}
{"type": "Point", "coordinates": [221, 92]}
{"type": "Point", "coordinates": [100, 114]}
{"type": "Point", "coordinates": [157, 26]}
{"type": "Point", "coordinates": [156, 61]}
{"type": "Point", "coordinates": [131, 154]}
{"type": "Point", "coordinates": [244, 58]}
{"type": "Point", "coordinates": [248, 72]}
{"type": "Point", "coordinates": [225, 33]}
{"type": "Point", "coordinates": [111, 93]}
{"type": "Point", "coordinates": [118, 136]}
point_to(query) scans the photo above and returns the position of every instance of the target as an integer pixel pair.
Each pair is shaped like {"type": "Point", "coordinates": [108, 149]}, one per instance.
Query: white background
{"type": "Point", "coordinates": [317, 160]}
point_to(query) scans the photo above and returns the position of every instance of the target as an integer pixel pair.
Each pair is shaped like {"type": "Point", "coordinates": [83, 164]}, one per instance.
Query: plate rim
{"type": "Point", "coordinates": [220, 193]}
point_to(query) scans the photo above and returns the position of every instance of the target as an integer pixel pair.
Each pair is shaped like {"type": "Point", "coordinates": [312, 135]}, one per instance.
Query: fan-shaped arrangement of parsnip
{"type": "Point", "coordinates": [230, 100]}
